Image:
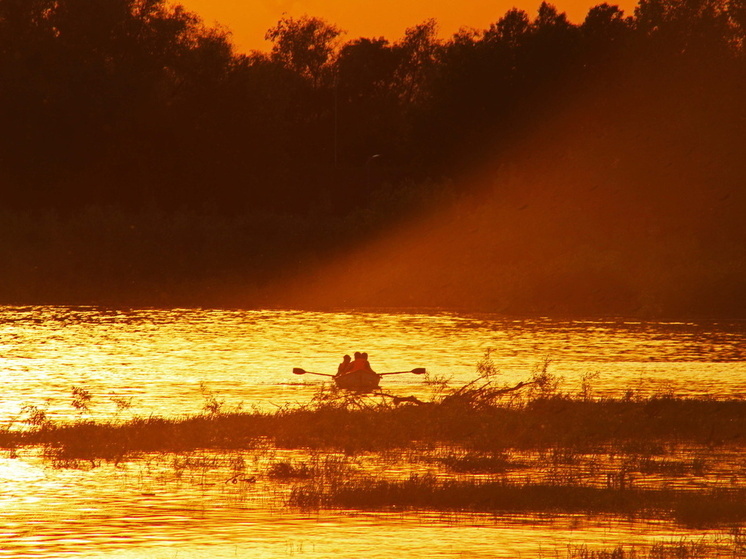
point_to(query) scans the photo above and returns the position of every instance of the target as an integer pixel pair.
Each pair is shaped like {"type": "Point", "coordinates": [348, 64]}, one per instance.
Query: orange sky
{"type": "Point", "coordinates": [250, 19]}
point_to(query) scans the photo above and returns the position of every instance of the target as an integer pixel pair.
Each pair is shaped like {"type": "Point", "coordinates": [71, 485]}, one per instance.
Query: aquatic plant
{"type": "Point", "coordinates": [682, 549]}
{"type": "Point", "coordinates": [467, 420]}
{"type": "Point", "coordinates": [479, 462]}
{"type": "Point", "coordinates": [211, 404]}
{"type": "Point", "coordinates": [486, 366]}
{"type": "Point", "coordinates": [121, 403]}
{"type": "Point", "coordinates": [426, 492]}
{"type": "Point", "coordinates": [82, 399]}
{"type": "Point", "coordinates": [286, 470]}
{"type": "Point", "coordinates": [586, 391]}
{"type": "Point", "coordinates": [34, 415]}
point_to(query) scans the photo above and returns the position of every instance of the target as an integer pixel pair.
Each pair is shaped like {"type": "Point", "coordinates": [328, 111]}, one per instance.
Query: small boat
{"type": "Point", "coordinates": [358, 381]}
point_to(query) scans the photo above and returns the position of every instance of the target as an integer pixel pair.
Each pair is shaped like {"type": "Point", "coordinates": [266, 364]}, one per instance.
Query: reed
{"type": "Point", "coordinates": [426, 492]}
{"type": "Point", "coordinates": [289, 471]}
{"type": "Point", "coordinates": [471, 462]}
{"type": "Point", "coordinates": [480, 416]}
{"type": "Point", "coordinates": [551, 453]}
{"type": "Point", "coordinates": [682, 549]}
{"type": "Point", "coordinates": [559, 421]}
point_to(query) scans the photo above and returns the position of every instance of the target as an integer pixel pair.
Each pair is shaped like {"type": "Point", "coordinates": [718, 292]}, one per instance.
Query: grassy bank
{"type": "Point", "coordinates": [559, 421]}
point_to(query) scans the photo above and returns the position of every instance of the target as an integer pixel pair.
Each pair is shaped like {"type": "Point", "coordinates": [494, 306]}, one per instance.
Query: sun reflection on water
{"type": "Point", "coordinates": [219, 505]}
{"type": "Point", "coordinates": [156, 359]}
{"type": "Point", "coordinates": [164, 505]}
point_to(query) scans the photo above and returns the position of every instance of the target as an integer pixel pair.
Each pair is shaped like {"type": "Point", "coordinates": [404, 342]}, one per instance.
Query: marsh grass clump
{"type": "Point", "coordinates": [34, 416]}
{"type": "Point", "coordinates": [544, 384]}
{"type": "Point", "coordinates": [471, 462]}
{"type": "Point", "coordinates": [427, 492]}
{"type": "Point", "coordinates": [211, 404]}
{"type": "Point", "coordinates": [467, 420]}
{"type": "Point", "coordinates": [682, 549]}
{"type": "Point", "coordinates": [82, 399]}
{"type": "Point", "coordinates": [284, 471]}
{"type": "Point", "coordinates": [718, 545]}
{"type": "Point", "coordinates": [324, 476]}
{"type": "Point", "coordinates": [587, 389]}
{"type": "Point", "coordinates": [670, 466]}
{"type": "Point", "coordinates": [486, 367]}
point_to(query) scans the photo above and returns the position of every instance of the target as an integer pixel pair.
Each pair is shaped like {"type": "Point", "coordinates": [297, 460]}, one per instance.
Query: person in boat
{"type": "Point", "coordinates": [367, 363]}
{"type": "Point", "coordinates": [344, 366]}
{"type": "Point", "coordinates": [361, 363]}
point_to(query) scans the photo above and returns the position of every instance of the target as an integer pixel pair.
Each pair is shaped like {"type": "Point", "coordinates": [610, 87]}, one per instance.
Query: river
{"type": "Point", "coordinates": [143, 362]}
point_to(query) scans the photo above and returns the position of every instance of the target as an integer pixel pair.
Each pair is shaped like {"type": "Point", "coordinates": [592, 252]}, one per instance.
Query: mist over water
{"type": "Point", "coordinates": [616, 201]}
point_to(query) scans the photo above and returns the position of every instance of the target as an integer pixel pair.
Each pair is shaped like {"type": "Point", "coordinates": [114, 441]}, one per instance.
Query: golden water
{"type": "Point", "coordinates": [153, 508]}
{"type": "Point", "coordinates": [159, 357]}
{"type": "Point", "coordinates": [150, 507]}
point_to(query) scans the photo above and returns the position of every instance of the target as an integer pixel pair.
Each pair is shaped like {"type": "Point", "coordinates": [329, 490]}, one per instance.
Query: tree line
{"type": "Point", "coordinates": [136, 103]}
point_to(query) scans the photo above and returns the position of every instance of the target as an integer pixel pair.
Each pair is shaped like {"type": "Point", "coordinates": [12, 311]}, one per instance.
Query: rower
{"type": "Point", "coordinates": [344, 366]}
{"type": "Point", "coordinates": [361, 363]}
{"type": "Point", "coordinates": [367, 363]}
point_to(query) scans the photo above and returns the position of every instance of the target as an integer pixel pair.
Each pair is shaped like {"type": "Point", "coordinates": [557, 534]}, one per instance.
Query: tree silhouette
{"type": "Point", "coordinates": [137, 103]}
{"type": "Point", "coordinates": [305, 45]}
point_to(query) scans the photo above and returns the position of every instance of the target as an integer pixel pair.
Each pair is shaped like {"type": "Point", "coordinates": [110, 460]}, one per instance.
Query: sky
{"type": "Point", "coordinates": [248, 20]}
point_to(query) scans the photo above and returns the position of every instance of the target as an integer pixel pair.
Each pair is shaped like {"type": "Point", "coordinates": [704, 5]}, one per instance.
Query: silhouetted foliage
{"type": "Point", "coordinates": [306, 46]}
{"type": "Point", "coordinates": [135, 104]}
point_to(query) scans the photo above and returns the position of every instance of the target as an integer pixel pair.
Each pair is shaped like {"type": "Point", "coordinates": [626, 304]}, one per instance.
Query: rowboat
{"type": "Point", "coordinates": [358, 381]}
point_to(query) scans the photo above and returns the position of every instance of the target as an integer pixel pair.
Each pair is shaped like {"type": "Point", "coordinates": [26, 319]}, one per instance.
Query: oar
{"type": "Point", "coordinates": [299, 371]}
{"type": "Point", "coordinates": [418, 371]}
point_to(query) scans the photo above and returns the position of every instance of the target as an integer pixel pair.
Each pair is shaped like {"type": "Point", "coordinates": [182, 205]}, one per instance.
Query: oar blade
{"type": "Point", "coordinates": [418, 371]}
{"type": "Point", "coordinates": [298, 371]}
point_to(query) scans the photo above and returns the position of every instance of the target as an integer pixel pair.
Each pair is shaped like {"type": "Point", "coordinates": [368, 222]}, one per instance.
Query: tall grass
{"type": "Point", "coordinates": [716, 507]}
{"type": "Point", "coordinates": [473, 418]}
{"type": "Point", "coordinates": [480, 416]}
{"type": "Point", "coordinates": [681, 549]}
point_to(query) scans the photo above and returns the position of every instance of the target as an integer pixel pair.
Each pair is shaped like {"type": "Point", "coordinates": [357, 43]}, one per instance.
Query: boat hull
{"type": "Point", "coordinates": [358, 381]}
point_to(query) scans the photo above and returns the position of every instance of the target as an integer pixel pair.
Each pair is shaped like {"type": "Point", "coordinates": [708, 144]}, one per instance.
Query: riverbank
{"type": "Point", "coordinates": [482, 418]}
{"type": "Point", "coordinates": [150, 258]}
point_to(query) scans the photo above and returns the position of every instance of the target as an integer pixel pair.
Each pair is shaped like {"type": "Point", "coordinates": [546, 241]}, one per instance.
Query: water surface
{"type": "Point", "coordinates": [156, 507]}
{"type": "Point", "coordinates": [158, 358]}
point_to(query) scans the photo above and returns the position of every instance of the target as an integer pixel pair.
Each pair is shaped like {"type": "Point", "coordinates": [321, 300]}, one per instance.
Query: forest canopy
{"type": "Point", "coordinates": [133, 105]}
{"type": "Point", "coordinates": [136, 102]}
